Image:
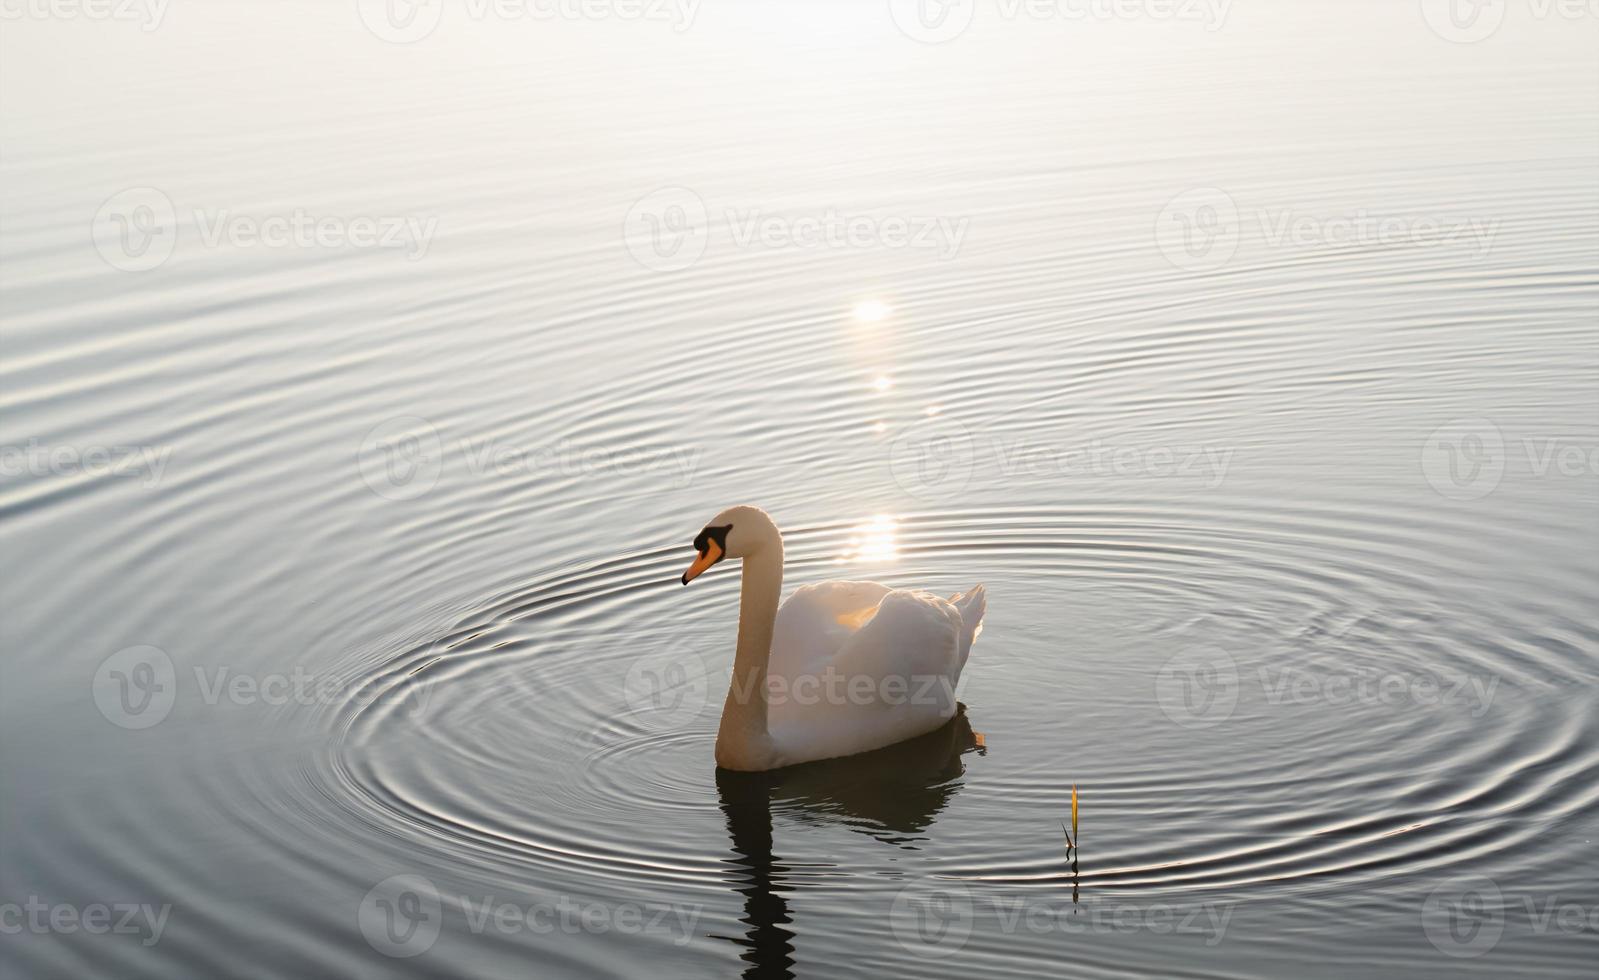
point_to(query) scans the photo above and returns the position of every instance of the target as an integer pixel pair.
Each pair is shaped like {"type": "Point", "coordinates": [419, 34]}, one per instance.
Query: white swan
{"type": "Point", "coordinates": [841, 668]}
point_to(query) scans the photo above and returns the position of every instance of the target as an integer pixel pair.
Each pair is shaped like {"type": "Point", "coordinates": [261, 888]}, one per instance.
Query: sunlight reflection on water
{"type": "Point", "coordinates": [874, 541]}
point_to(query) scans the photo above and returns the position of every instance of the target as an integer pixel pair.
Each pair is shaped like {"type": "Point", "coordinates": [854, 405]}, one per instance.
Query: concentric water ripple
{"type": "Point", "coordinates": [526, 706]}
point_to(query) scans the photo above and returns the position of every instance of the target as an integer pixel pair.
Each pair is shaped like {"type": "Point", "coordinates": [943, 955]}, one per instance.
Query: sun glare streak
{"type": "Point", "coordinates": [871, 311]}
{"type": "Point", "coordinates": [874, 541]}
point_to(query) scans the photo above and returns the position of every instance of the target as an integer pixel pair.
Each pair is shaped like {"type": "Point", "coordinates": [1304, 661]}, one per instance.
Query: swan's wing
{"type": "Point", "coordinates": [914, 635]}
{"type": "Point", "coordinates": [816, 620]}
{"type": "Point", "coordinates": [905, 647]}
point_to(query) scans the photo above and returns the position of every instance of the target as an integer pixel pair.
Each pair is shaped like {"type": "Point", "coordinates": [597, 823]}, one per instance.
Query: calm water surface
{"type": "Point", "coordinates": [361, 399]}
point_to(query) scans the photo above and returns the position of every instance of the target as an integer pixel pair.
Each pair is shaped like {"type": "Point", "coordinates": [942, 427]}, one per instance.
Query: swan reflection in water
{"type": "Point", "coordinates": [891, 794]}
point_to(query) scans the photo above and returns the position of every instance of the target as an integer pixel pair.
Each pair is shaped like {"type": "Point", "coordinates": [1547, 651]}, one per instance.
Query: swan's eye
{"type": "Point", "coordinates": [717, 534]}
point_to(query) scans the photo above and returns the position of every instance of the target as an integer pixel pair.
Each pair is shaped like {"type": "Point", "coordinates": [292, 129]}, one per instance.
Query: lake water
{"type": "Point", "coordinates": [361, 400]}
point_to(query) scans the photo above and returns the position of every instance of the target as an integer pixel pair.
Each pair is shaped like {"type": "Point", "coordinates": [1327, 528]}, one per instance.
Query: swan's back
{"type": "Point", "coordinates": [814, 622]}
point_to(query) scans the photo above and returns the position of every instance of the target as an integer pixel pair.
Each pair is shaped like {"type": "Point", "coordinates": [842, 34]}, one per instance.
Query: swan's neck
{"type": "Point", "coordinates": [743, 741]}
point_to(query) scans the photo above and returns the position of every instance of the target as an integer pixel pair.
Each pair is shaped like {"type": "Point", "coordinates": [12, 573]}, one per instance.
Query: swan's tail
{"type": "Point", "coordinates": [971, 606]}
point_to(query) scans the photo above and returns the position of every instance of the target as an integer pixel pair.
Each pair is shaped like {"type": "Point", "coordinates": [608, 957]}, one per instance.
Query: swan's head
{"type": "Point", "coordinates": [737, 532]}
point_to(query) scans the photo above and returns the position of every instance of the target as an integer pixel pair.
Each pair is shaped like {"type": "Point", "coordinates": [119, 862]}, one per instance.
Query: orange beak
{"type": "Point", "coordinates": [710, 556]}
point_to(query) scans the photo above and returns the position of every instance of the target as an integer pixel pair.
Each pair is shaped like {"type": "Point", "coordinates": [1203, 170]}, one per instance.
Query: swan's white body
{"type": "Point", "coordinates": [841, 667]}
{"type": "Point", "coordinates": [902, 651]}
